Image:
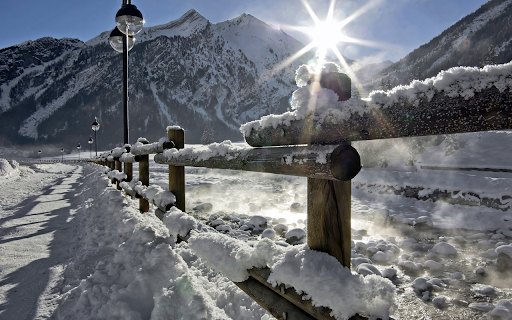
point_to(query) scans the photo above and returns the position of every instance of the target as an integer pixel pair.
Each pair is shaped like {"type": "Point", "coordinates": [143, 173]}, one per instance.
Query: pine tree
{"type": "Point", "coordinates": [208, 134]}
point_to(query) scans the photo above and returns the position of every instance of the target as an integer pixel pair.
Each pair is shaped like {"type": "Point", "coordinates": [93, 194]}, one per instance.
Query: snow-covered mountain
{"type": "Point", "coordinates": [188, 72]}
{"type": "Point", "coordinates": [481, 38]}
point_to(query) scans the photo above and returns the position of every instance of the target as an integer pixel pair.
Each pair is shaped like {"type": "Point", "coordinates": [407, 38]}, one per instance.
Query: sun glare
{"type": "Point", "coordinates": [326, 34]}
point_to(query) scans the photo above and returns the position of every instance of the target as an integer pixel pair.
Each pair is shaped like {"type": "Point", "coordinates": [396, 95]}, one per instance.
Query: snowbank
{"type": "Point", "coordinates": [320, 276]}
{"type": "Point", "coordinates": [127, 267]}
{"type": "Point", "coordinates": [8, 168]}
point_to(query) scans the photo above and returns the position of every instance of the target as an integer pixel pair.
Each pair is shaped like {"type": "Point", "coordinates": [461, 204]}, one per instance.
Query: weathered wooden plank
{"type": "Point", "coordinates": [276, 305]}
{"type": "Point", "coordinates": [321, 162]}
{"type": "Point", "coordinates": [128, 169]}
{"type": "Point", "coordinates": [487, 110]}
{"type": "Point", "coordinates": [177, 172]}
{"type": "Point", "coordinates": [329, 214]}
{"type": "Point", "coordinates": [118, 167]}
{"type": "Point", "coordinates": [144, 179]}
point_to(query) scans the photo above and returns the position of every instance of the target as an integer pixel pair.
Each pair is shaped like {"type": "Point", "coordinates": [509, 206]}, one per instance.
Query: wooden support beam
{"type": "Point", "coordinates": [329, 218]}
{"type": "Point", "coordinates": [128, 169]}
{"type": "Point", "coordinates": [177, 172]}
{"type": "Point", "coordinates": [144, 179]}
{"type": "Point", "coordinates": [290, 294]}
{"type": "Point", "coordinates": [276, 305]}
{"type": "Point", "coordinates": [119, 167]}
{"type": "Point", "coordinates": [321, 162]}
{"type": "Point", "coordinates": [487, 110]}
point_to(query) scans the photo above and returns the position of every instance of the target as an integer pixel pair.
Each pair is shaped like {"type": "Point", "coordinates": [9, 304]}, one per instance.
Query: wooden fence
{"type": "Point", "coordinates": [328, 182]}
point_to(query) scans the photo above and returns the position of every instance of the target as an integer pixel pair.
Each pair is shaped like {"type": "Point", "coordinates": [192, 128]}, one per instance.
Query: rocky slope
{"type": "Point", "coordinates": [481, 38]}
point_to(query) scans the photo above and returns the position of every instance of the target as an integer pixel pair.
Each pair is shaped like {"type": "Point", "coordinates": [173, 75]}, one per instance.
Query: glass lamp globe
{"type": "Point", "coordinates": [95, 125]}
{"type": "Point", "coordinates": [116, 40]}
{"type": "Point", "coordinates": [129, 20]}
{"type": "Point", "coordinates": [79, 146]}
{"type": "Point", "coordinates": [90, 140]}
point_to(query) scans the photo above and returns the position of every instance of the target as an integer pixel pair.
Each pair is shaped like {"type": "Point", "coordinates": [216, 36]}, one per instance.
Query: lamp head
{"type": "Point", "coordinates": [129, 20]}
{"type": "Point", "coordinates": [116, 40]}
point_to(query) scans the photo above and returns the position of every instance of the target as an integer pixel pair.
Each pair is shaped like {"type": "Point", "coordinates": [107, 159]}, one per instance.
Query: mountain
{"type": "Point", "coordinates": [188, 72]}
{"type": "Point", "coordinates": [481, 38]}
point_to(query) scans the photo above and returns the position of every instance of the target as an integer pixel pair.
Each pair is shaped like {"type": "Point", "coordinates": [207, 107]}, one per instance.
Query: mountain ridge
{"type": "Point", "coordinates": [187, 72]}
{"type": "Point", "coordinates": [480, 38]}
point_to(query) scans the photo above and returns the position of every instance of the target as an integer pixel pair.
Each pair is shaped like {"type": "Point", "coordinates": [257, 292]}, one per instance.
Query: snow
{"type": "Point", "coordinates": [303, 268]}
{"type": "Point", "coordinates": [116, 174]}
{"type": "Point", "coordinates": [503, 310]}
{"type": "Point", "coordinates": [178, 222]}
{"type": "Point", "coordinates": [6, 169]}
{"type": "Point", "coordinates": [127, 265]}
{"type": "Point", "coordinates": [444, 248]}
{"type": "Point", "coordinates": [506, 249]}
{"type": "Point", "coordinates": [225, 149]}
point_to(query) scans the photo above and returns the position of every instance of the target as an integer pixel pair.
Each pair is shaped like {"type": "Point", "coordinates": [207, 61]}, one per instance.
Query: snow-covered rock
{"type": "Point", "coordinates": [367, 269]}
{"type": "Point", "coordinates": [433, 265]}
{"type": "Point", "coordinates": [441, 302]}
{"type": "Point", "coordinates": [268, 233]}
{"type": "Point", "coordinates": [389, 273]}
{"type": "Point", "coordinates": [444, 248]}
{"type": "Point", "coordinates": [421, 284]}
{"type": "Point", "coordinates": [280, 228]}
{"type": "Point", "coordinates": [482, 306]}
{"type": "Point", "coordinates": [295, 236]}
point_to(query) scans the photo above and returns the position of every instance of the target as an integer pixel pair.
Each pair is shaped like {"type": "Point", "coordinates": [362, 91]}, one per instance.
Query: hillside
{"type": "Point", "coordinates": [481, 38]}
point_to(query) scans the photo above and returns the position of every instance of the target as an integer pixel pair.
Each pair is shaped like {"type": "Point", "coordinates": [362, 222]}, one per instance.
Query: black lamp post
{"type": "Point", "coordinates": [79, 147]}
{"type": "Point", "coordinates": [62, 154]}
{"type": "Point", "coordinates": [90, 146]}
{"type": "Point", "coordinates": [95, 127]}
{"type": "Point", "coordinates": [129, 22]}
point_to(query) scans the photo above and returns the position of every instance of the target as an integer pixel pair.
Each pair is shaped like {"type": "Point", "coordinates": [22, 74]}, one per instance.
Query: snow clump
{"type": "Point", "coordinates": [6, 169]}
{"type": "Point", "coordinates": [444, 249]}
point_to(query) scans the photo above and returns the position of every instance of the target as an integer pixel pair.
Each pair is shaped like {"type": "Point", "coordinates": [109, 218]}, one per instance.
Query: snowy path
{"type": "Point", "coordinates": [36, 240]}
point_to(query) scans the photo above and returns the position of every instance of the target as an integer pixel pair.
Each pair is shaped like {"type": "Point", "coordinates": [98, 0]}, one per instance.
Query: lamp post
{"type": "Point", "coordinates": [79, 147]}
{"type": "Point", "coordinates": [62, 154]}
{"type": "Point", "coordinates": [95, 127]}
{"type": "Point", "coordinates": [90, 146]}
{"type": "Point", "coordinates": [129, 22]}
{"type": "Point", "coordinates": [39, 153]}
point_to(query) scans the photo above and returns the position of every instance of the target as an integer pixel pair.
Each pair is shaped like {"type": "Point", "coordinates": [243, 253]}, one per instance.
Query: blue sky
{"type": "Point", "coordinates": [399, 25]}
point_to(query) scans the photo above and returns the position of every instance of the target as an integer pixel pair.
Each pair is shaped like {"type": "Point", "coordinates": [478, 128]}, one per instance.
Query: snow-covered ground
{"type": "Point", "coordinates": [74, 247]}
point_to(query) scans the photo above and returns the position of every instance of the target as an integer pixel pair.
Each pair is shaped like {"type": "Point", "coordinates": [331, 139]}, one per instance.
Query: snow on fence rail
{"type": "Point", "coordinates": [456, 101]}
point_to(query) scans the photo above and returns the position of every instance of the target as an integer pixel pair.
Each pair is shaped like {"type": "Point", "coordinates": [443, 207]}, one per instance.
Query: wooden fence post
{"type": "Point", "coordinates": [119, 167]}
{"type": "Point", "coordinates": [128, 169]}
{"type": "Point", "coordinates": [177, 173]}
{"type": "Point", "coordinates": [144, 179]}
{"type": "Point", "coordinates": [329, 215]}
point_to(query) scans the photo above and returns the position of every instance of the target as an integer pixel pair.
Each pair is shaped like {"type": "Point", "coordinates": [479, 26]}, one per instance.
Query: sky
{"type": "Point", "coordinates": [397, 26]}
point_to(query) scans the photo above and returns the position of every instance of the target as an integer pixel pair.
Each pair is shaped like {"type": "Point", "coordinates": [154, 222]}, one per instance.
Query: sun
{"type": "Point", "coordinates": [326, 35]}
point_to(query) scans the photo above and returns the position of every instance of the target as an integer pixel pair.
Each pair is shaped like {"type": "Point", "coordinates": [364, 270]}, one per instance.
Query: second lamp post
{"type": "Point", "coordinates": [129, 22]}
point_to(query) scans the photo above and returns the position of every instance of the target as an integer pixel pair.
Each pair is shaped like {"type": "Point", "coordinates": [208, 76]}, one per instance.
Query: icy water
{"type": "Point", "coordinates": [282, 199]}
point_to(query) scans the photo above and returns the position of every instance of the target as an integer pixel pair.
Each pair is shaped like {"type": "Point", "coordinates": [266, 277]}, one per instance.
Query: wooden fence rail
{"type": "Point", "coordinates": [329, 185]}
